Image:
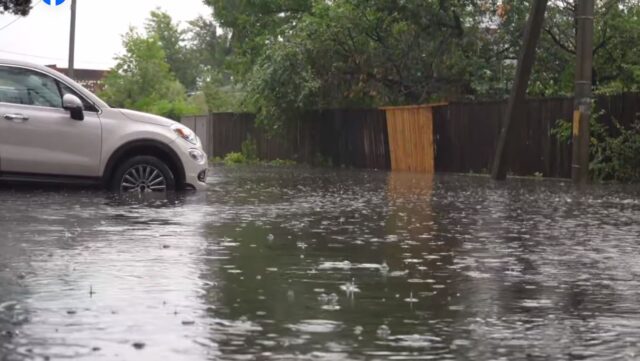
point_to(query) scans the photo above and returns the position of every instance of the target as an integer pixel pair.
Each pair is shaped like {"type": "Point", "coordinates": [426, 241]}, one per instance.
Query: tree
{"type": "Point", "coordinates": [142, 79]}
{"type": "Point", "coordinates": [302, 54]}
{"type": "Point", "coordinates": [17, 7]}
{"type": "Point", "coordinates": [197, 56]}
{"type": "Point", "coordinates": [180, 58]}
{"type": "Point", "coordinates": [251, 24]}
{"type": "Point", "coordinates": [617, 25]}
{"type": "Point", "coordinates": [210, 46]}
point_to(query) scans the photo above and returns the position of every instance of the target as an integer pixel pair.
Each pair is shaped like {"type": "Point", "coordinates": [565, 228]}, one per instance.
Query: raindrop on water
{"type": "Point", "coordinates": [384, 268]}
{"type": "Point", "coordinates": [411, 299]}
{"type": "Point", "coordinates": [383, 331]}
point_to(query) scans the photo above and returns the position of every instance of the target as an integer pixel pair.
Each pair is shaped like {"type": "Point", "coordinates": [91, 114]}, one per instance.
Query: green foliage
{"type": "Point", "coordinates": [274, 94]}
{"type": "Point", "coordinates": [615, 152]}
{"type": "Point", "coordinates": [249, 156]}
{"type": "Point", "coordinates": [142, 80]}
{"type": "Point", "coordinates": [220, 97]}
{"type": "Point", "coordinates": [352, 53]}
{"type": "Point", "coordinates": [616, 60]}
{"type": "Point", "coordinates": [199, 103]}
{"type": "Point", "coordinates": [235, 158]}
{"type": "Point", "coordinates": [563, 130]}
{"type": "Point", "coordinates": [294, 55]}
{"type": "Point", "coordinates": [209, 47]}
{"type": "Point", "coordinates": [250, 149]}
{"type": "Point", "coordinates": [16, 7]}
{"type": "Point", "coordinates": [181, 60]}
{"type": "Point", "coordinates": [172, 71]}
{"type": "Point", "coordinates": [216, 160]}
{"type": "Point", "coordinates": [616, 157]}
{"type": "Point", "coordinates": [279, 58]}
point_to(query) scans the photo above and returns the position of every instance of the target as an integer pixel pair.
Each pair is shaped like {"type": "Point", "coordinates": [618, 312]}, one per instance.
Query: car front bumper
{"type": "Point", "coordinates": [195, 172]}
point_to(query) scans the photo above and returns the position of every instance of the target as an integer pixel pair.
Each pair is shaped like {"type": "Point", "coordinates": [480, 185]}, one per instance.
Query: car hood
{"type": "Point", "coordinates": [146, 118]}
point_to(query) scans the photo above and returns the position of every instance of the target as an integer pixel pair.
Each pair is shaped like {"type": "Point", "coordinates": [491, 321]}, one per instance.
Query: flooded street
{"type": "Point", "coordinates": [304, 264]}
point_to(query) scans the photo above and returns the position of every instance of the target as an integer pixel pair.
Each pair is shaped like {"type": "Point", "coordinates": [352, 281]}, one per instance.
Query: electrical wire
{"type": "Point", "coordinates": [102, 64]}
{"type": "Point", "coordinates": [19, 17]}
{"type": "Point", "coordinates": [30, 55]}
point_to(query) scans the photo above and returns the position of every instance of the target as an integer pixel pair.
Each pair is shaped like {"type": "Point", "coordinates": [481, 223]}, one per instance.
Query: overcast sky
{"type": "Point", "coordinates": [43, 36]}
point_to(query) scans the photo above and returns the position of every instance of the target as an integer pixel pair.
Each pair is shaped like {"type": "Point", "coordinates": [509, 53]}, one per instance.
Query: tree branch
{"type": "Point", "coordinates": [558, 42]}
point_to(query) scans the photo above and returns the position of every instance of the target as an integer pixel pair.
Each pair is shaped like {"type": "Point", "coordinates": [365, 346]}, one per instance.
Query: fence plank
{"type": "Point", "coordinates": [466, 134]}
{"type": "Point", "coordinates": [410, 133]}
{"type": "Point", "coordinates": [459, 137]}
{"type": "Point", "coordinates": [351, 138]}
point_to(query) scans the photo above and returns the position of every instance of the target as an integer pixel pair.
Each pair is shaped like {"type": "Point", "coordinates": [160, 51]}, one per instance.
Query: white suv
{"type": "Point", "coordinates": [54, 130]}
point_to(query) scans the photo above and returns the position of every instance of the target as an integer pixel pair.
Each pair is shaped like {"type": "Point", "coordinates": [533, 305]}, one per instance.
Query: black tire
{"type": "Point", "coordinates": [137, 165]}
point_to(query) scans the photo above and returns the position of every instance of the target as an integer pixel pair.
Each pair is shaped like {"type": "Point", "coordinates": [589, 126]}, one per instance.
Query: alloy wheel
{"type": "Point", "coordinates": [143, 178]}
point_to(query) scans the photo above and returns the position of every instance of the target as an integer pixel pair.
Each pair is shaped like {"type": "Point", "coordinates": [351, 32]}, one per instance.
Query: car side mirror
{"type": "Point", "coordinates": [73, 104]}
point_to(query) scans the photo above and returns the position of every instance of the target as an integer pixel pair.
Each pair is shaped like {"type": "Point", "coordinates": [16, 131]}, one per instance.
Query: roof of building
{"type": "Point", "coordinates": [82, 74]}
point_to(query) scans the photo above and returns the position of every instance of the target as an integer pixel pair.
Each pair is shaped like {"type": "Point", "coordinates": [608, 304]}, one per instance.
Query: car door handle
{"type": "Point", "coordinates": [18, 118]}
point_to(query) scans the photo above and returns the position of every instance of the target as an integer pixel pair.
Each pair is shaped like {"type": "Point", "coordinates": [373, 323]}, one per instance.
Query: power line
{"type": "Point", "coordinates": [49, 57]}
{"type": "Point", "coordinates": [19, 17]}
{"type": "Point", "coordinates": [30, 55]}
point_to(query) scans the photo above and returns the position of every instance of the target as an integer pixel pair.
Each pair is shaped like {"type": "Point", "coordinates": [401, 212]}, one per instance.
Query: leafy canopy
{"type": "Point", "coordinates": [142, 79]}
{"type": "Point", "coordinates": [298, 54]}
{"type": "Point", "coordinates": [172, 70]}
{"type": "Point", "coordinates": [17, 7]}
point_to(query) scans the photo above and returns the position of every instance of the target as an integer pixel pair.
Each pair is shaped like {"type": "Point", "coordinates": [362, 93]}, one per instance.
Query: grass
{"type": "Point", "coordinates": [239, 159]}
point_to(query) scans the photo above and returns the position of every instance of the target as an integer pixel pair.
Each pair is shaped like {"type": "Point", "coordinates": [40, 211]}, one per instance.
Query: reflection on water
{"type": "Point", "coordinates": [323, 265]}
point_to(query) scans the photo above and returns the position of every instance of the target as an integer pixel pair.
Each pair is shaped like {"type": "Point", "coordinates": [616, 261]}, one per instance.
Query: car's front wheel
{"type": "Point", "coordinates": [143, 174]}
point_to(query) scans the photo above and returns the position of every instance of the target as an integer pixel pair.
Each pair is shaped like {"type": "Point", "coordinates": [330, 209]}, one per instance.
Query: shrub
{"type": "Point", "coordinates": [235, 158]}
{"type": "Point", "coordinates": [615, 151]}
{"type": "Point", "coordinates": [617, 157]}
{"type": "Point", "coordinates": [250, 149]}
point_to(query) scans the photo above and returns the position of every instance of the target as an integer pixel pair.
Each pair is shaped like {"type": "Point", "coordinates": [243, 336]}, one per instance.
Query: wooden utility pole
{"type": "Point", "coordinates": [72, 41]}
{"type": "Point", "coordinates": [583, 92]}
{"type": "Point", "coordinates": [519, 90]}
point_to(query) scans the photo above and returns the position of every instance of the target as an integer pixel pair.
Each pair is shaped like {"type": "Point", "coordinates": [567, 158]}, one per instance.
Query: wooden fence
{"type": "Point", "coordinates": [466, 134]}
{"type": "Point", "coordinates": [351, 138]}
{"type": "Point", "coordinates": [458, 137]}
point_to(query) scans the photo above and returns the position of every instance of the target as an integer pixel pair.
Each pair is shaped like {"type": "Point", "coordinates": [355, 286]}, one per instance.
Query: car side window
{"type": "Point", "coordinates": [28, 87]}
{"type": "Point", "coordinates": [88, 106]}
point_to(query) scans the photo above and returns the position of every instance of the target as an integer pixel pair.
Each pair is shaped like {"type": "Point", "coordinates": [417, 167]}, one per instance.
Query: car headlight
{"type": "Point", "coordinates": [185, 133]}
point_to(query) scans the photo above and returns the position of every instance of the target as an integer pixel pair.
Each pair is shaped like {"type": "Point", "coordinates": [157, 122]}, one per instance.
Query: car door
{"type": "Point", "coordinates": [37, 136]}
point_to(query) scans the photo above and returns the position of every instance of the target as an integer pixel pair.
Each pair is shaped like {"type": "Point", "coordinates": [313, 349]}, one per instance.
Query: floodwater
{"type": "Point", "coordinates": [300, 264]}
